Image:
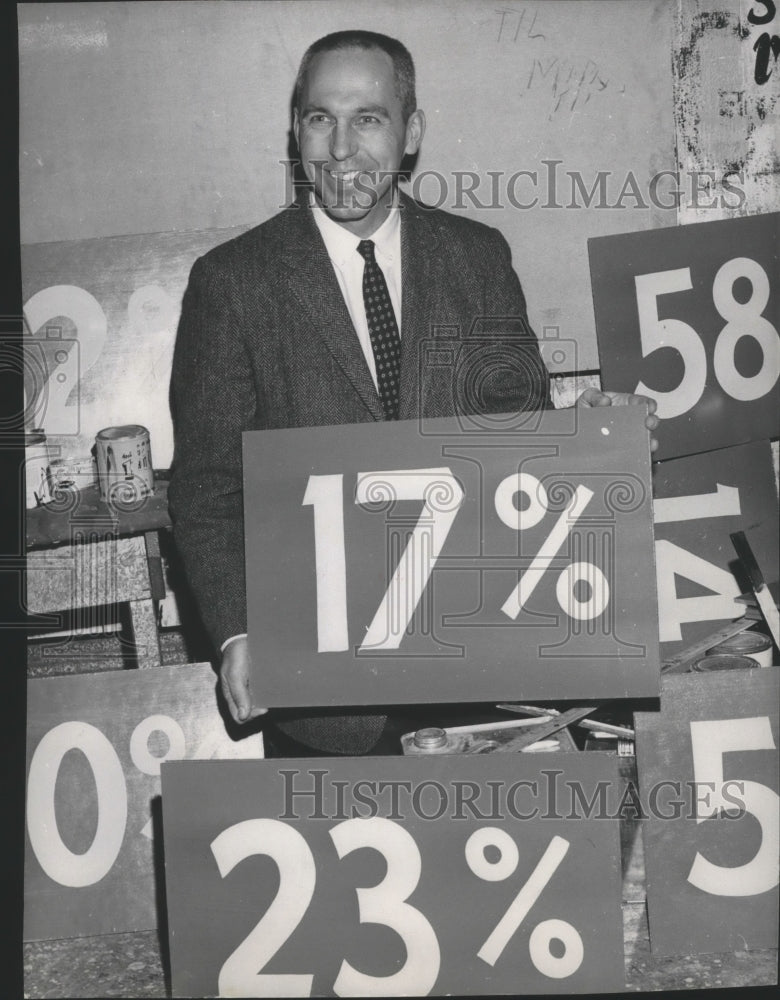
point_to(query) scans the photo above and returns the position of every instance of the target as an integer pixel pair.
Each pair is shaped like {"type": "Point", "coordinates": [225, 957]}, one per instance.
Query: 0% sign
{"type": "Point", "coordinates": [155, 739]}
{"type": "Point", "coordinates": [434, 901]}
{"type": "Point", "coordinates": [95, 746]}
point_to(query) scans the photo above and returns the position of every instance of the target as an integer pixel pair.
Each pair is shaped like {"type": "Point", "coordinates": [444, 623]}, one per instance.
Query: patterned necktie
{"type": "Point", "coordinates": [382, 329]}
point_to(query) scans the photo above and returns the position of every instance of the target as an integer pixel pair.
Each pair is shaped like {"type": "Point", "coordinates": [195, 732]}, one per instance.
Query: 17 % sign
{"type": "Point", "coordinates": [516, 551]}
{"type": "Point", "coordinates": [314, 890]}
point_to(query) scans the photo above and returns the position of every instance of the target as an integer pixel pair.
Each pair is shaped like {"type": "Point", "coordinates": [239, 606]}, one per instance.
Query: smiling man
{"type": "Point", "coordinates": [355, 120]}
{"type": "Point", "coordinates": [321, 316]}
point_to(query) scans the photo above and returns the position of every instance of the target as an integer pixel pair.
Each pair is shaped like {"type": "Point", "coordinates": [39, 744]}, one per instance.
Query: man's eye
{"type": "Point", "coordinates": [318, 119]}
{"type": "Point", "coordinates": [368, 120]}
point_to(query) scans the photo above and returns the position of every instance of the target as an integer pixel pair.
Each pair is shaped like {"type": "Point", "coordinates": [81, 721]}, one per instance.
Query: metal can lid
{"type": "Point", "coordinates": [123, 433]}
{"type": "Point", "coordinates": [35, 436]}
{"type": "Point", "coordinates": [743, 642]}
{"type": "Point", "coordinates": [430, 738]}
{"type": "Point", "coordinates": [723, 661]}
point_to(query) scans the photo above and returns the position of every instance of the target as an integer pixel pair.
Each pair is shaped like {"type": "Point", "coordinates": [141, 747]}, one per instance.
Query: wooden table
{"type": "Point", "coordinates": [84, 553]}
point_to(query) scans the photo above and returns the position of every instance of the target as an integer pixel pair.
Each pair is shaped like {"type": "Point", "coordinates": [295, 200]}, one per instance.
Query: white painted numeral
{"type": "Point", "coordinates": [240, 976]}
{"type": "Point", "coordinates": [710, 740]}
{"type": "Point", "coordinates": [672, 559]}
{"type": "Point", "coordinates": [58, 861]}
{"type": "Point", "coordinates": [325, 495]}
{"type": "Point", "coordinates": [724, 502]}
{"type": "Point", "coordinates": [50, 403]}
{"type": "Point", "coordinates": [743, 319]}
{"type": "Point", "coordinates": [386, 904]}
{"type": "Point", "coordinates": [655, 333]}
{"type": "Point", "coordinates": [442, 496]}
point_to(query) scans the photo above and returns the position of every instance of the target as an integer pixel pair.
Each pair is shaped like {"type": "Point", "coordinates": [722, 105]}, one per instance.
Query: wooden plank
{"type": "Point", "coordinates": [87, 575]}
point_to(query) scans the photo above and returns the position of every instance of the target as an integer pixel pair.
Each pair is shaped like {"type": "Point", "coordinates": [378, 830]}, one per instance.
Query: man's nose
{"type": "Point", "coordinates": [342, 142]}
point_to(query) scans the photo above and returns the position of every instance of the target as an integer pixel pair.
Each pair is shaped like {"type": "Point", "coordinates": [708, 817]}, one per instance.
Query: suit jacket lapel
{"type": "Point", "coordinates": [314, 285]}
{"type": "Point", "coordinates": [422, 282]}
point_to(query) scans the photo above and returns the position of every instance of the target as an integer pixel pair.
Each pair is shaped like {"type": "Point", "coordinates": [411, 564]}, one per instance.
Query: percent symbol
{"type": "Point", "coordinates": [574, 573]}
{"type": "Point", "coordinates": [552, 966]}
{"type": "Point", "coordinates": [142, 748]}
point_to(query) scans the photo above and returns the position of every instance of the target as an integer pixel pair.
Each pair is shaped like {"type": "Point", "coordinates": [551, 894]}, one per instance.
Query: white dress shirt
{"type": "Point", "coordinates": [341, 245]}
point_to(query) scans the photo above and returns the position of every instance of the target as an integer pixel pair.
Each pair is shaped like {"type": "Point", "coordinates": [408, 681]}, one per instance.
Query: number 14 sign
{"type": "Point", "coordinates": [389, 566]}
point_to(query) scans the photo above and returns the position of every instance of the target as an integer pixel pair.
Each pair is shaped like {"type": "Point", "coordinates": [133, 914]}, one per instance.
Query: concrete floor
{"type": "Point", "coordinates": [135, 964]}
{"type": "Point", "coordinates": [131, 965]}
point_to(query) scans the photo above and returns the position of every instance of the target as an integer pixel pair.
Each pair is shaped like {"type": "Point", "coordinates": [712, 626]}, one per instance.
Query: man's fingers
{"type": "Point", "coordinates": [232, 708]}
{"type": "Point", "coordinates": [234, 676]}
{"type": "Point", "coordinates": [593, 397]}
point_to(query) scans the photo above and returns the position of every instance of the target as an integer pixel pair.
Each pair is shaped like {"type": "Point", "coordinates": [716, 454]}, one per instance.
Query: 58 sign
{"type": "Point", "coordinates": [690, 316]}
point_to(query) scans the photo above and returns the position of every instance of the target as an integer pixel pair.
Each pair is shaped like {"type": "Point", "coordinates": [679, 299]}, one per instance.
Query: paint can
{"type": "Point", "coordinates": [756, 645]}
{"type": "Point", "coordinates": [723, 661]}
{"type": "Point", "coordinates": [37, 469]}
{"type": "Point", "coordinates": [124, 463]}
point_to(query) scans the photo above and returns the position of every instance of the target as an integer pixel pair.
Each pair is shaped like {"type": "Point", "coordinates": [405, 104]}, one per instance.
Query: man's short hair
{"type": "Point", "coordinates": [403, 66]}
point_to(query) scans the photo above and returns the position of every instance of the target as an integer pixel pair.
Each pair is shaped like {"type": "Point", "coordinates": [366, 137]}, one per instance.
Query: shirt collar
{"type": "Point", "coordinates": [341, 244]}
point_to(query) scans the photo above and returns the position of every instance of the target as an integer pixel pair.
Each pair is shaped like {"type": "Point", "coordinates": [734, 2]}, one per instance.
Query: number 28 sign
{"type": "Point", "coordinates": [690, 315]}
{"type": "Point", "coordinates": [389, 566]}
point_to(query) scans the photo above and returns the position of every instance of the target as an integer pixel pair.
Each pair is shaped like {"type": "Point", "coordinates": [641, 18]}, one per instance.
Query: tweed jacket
{"type": "Point", "coordinates": [265, 341]}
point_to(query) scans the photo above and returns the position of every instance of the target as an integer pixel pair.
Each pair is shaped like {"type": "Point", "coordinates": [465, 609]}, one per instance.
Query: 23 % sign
{"type": "Point", "coordinates": [385, 904]}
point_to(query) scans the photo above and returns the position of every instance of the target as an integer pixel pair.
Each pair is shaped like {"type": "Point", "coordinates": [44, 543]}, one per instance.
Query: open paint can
{"type": "Point", "coordinates": [756, 645]}
{"type": "Point", "coordinates": [124, 463]}
{"type": "Point", "coordinates": [723, 661]}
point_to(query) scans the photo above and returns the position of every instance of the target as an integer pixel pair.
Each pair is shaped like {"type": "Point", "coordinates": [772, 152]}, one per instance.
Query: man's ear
{"type": "Point", "coordinates": [415, 130]}
{"type": "Point", "coordinates": [296, 127]}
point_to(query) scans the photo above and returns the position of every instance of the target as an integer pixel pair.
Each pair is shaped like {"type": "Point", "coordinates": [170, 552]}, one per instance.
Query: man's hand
{"type": "Point", "coordinates": [234, 678]}
{"type": "Point", "coordinates": [595, 397]}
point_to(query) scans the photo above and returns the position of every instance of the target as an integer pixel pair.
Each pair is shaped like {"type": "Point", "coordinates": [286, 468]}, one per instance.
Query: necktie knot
{"type": "Point", "coordinates": [366, 250]}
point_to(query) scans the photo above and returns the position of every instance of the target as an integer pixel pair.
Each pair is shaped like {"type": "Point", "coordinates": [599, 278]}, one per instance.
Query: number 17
{"type": "Point", "coordinates": [442, 497]}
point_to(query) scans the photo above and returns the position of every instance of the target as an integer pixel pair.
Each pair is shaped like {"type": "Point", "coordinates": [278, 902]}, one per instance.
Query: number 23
{"type": "Point", "coordinates": [383, 904]}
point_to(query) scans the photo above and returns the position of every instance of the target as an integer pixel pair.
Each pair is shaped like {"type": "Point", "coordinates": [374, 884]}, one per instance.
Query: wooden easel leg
{"type": "Point", "coordinates": [145, 634]}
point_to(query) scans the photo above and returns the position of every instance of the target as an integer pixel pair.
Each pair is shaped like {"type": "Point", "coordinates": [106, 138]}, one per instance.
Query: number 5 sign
{"type": "Point", "coordinates": [386, 567]}
{"type": "Point", "coordinates": [708, 777]}
{"type": "Point", "coordinates": [690, 316]}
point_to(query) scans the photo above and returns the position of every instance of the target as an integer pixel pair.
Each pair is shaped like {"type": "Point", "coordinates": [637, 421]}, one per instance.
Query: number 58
{"type": "Point", "coordinates": [743, 319]}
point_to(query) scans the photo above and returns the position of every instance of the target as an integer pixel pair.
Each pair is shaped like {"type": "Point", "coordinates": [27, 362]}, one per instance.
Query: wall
{"type": "Point", "coordinates": [169, 118]}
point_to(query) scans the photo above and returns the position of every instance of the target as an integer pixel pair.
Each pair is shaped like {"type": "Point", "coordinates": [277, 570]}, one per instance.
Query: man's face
{"type": "Point", "coordinates": [352, 135]}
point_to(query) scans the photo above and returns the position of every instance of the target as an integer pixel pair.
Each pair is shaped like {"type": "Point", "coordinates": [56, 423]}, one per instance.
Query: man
{"type": "Point", "coordinates": [304, 321]}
